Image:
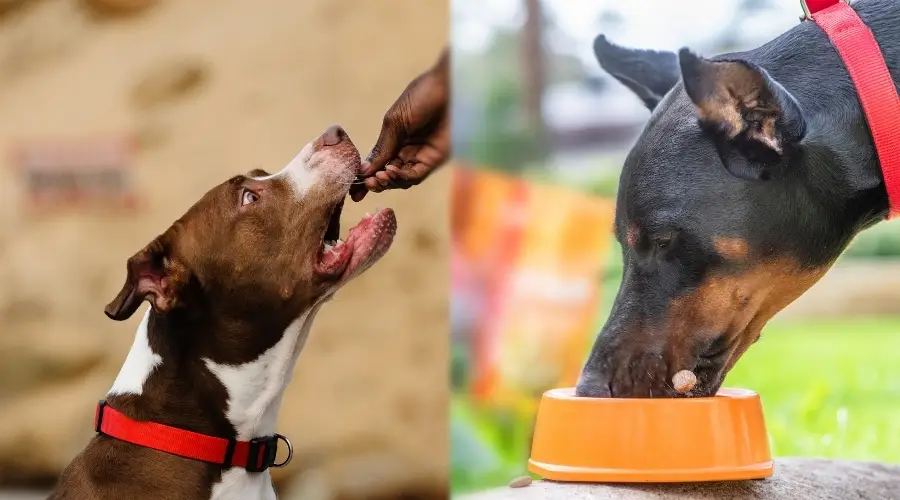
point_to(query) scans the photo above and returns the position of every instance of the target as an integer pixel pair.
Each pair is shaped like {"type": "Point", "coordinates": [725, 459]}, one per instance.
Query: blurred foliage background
{"type": "Point", "coordinates": [530, 100]}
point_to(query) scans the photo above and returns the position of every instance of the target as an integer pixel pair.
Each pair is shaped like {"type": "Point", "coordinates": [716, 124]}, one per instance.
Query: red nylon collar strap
{"type": "Point", "coordinates": [877, 93]}
{"type": "Point", "coordinates": [255, 455]}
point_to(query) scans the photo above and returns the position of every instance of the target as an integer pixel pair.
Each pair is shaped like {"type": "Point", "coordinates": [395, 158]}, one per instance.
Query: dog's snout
{"type": "Point", "coordinates": [584, 390]}
{"type": "Point", "coordinates": [592, 386]}
{"type": "Point", "coordinates": [333, 136]}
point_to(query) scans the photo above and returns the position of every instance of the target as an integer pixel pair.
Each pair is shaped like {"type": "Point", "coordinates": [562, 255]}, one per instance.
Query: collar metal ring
{"type": "Point", "coordinates": [290, 448]}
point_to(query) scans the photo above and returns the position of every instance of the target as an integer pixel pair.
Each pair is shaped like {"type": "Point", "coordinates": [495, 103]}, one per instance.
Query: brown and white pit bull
{"type": "Point", "coordinates": [233, 287]}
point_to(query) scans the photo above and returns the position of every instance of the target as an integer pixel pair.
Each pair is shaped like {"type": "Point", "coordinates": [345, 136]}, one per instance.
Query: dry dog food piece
{"type": "Point", "coordinates": [520, 482]}
{"type": "Point", "coordinates": [684, 381]}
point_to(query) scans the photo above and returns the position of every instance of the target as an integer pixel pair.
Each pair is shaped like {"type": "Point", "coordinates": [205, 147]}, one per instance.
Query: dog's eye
{"type": "Point", "coordinates": [249, 197]}
{"type": "Point", "coordinates": [662, 242]}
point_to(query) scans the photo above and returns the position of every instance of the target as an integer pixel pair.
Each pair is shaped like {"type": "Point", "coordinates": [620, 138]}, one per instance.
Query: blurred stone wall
{"type": "Point", "coordinates": [794, 479]}
{"type": "Point", "coordinates": [853, 287]}
{"type": "Point", "coordinates": [210, 89]}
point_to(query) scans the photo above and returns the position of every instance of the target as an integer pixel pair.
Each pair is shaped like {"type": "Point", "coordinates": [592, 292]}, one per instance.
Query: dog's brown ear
{"type": "Point", "coordinates": [742, 103]}
{"type": "Point", "coordinates": [151, 275]}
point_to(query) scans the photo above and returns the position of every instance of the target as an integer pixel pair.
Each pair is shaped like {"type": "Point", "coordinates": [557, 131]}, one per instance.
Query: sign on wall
{"type": "Point", "coordinates": [63, 174]}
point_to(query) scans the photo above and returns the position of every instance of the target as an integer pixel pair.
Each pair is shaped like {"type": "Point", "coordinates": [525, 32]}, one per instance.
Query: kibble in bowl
{"type": "Point", "coordinates": [684, 381]}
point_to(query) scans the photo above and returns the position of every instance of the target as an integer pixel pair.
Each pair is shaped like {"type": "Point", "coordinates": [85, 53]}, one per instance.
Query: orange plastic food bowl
{"type": "Point", "coordinates": [612, 440]}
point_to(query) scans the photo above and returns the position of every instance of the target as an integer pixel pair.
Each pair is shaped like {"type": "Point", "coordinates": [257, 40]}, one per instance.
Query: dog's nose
{"type": "Point", "coordinates": [592, 391]}
{"type": "Point", "coordinates": [592, 387]}
{"type": "Point", "coordinates": [333, 136]}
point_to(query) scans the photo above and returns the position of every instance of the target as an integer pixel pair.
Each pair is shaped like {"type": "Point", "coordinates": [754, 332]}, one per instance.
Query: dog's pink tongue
{"type": "Point", "coordinates": [333, 257]}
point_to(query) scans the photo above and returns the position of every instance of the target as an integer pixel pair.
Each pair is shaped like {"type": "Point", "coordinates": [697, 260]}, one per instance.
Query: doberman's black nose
{"type": "Point", "coordinates": [333, 136]}
{"type": "Point", "coordinates": [592, 386]}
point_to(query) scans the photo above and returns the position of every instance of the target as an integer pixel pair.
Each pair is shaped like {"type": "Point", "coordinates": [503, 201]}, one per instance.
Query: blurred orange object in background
{"type": "Point", "coordinates": [539, 251]}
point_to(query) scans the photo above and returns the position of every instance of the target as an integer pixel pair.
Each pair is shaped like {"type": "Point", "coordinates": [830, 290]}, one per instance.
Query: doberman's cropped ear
{"type": "Point", "coordinates": [741, 103]}
{"type": "Point", "coordinates": [151, 275]}
{"type": "Point", "coordinates": [648, 73]}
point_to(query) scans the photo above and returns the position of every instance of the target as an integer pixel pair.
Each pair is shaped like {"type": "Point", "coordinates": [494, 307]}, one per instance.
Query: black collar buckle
{"type": "Point", "coordinates": [263, 450]}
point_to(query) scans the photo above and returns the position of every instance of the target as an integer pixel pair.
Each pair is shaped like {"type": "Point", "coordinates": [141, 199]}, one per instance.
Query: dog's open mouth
{"type": "Point", "coordinates": [365, 243]}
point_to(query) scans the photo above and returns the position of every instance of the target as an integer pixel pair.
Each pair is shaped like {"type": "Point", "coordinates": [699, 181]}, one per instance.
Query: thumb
{"type": "Point", "coordinates": [385, 148]}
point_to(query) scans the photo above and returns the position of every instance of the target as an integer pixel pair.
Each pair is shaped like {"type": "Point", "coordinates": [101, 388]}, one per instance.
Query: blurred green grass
{"type": "Point", "coordinates": [829, 387]}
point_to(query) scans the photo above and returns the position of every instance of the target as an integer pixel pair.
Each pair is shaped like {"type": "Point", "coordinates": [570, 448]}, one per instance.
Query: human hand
{"type": "Point", "coordinates": [415, 135]}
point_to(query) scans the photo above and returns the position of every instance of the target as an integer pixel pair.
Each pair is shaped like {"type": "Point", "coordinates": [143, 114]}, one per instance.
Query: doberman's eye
{"type": "Point", "coordinates": [248, 197]}
{"type": "Point", "coordinates": [662, 242]}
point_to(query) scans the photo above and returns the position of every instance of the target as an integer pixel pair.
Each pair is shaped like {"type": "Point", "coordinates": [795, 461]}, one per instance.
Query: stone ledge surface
{"type": "Point", "coordinates": [794, 479]}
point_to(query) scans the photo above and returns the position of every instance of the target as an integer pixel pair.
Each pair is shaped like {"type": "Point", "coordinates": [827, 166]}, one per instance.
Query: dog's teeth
{"type": "Point", "coordinates": [339, 242]}
{"type": "Point", "coordinates": [328, 247]}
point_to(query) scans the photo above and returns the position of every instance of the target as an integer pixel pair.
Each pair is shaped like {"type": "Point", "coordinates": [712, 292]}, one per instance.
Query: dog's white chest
{"type": "Point", "coordinates": [139, 364]}
{"type": "Point", "coordinates": [238, 484]}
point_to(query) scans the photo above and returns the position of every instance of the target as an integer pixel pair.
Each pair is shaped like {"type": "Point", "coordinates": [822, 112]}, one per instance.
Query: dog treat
{"type": "Point", "coordinates": [520, 482]}
{"type": "Point", "coordinates": [684, 381]}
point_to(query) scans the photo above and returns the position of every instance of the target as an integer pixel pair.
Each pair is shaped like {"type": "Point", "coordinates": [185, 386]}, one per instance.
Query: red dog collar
{"type": "Point", "coordinates": [255, 455]}
{"type": "Point", "coordinates": [857, 47]}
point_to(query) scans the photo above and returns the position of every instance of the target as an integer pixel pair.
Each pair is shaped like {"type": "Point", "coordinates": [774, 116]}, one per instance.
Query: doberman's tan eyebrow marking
{"type": "Point", "coordinates": [735, 249]}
